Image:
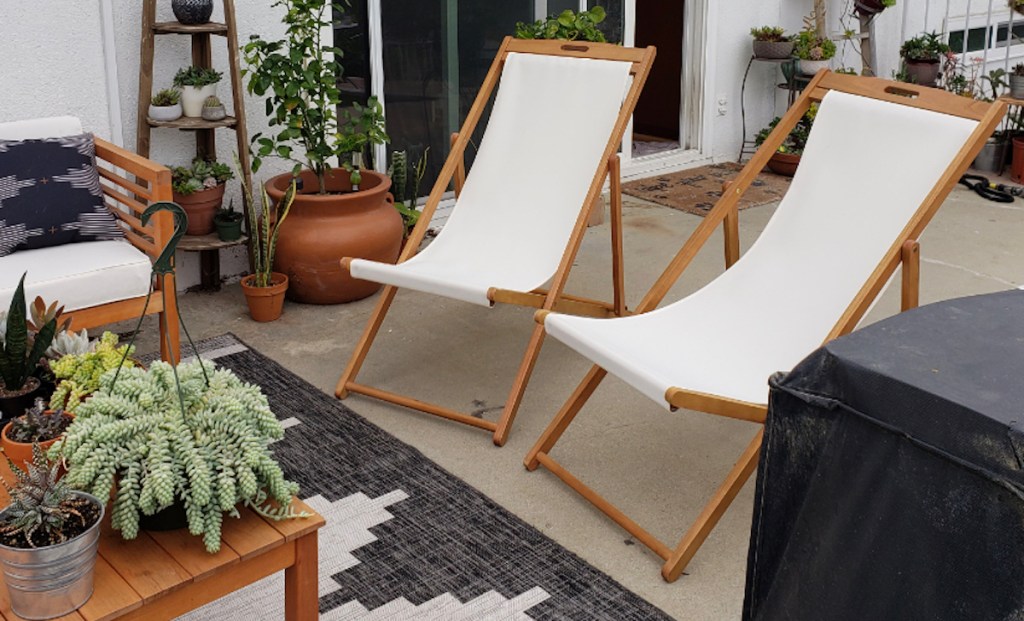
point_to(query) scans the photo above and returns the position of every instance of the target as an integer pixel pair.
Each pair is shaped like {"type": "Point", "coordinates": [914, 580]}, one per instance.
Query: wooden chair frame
{"type": "Point", "coordinates": [552, 298]}
{"type": "Point", "coordinates": [905, 251]}
{"type": "Point", "coordinates": [127, 199]}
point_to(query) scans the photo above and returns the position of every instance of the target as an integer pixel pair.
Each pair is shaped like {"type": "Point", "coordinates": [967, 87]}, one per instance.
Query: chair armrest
{"type": "Point", "coordinates": [127, 199]}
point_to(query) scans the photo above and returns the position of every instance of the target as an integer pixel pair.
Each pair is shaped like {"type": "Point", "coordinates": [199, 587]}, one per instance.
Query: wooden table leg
{"type": "Point", "coordinates": [301, 591]}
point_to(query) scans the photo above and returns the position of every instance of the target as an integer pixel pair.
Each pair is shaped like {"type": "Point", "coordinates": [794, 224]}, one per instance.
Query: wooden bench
{"type": "Point", "coordinates": [161, 575]}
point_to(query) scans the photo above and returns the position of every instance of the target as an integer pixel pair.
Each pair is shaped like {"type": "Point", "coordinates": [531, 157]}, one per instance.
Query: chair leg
{"type": "Point", "coordinates": [910, 255]}
{"type": "Point", "coordinates": [365, 341]}
{"type": "Point", "coordinates": [515, 397]}
{"type": "Point", "coordinates": [713, 511]}
{"type": "Point", "coordinates": [565, 416]}
{"type": "Point", "coordinates": [170, 329]}
{"type": "Point", "coordinates": [618, 268]}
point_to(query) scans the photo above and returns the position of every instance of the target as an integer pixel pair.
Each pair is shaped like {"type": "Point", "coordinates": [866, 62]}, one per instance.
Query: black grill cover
{"type": "Point", "coordinates": [890, 485]}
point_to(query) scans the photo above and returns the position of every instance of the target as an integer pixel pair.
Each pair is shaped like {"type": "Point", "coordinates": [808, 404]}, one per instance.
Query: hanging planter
{"type": "Point", "coordinates": [870, 8]}
{"type": "Point", "coordinates": [1017, 5]}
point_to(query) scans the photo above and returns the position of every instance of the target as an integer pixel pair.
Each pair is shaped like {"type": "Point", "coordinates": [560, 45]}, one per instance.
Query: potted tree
{"type": "Point", "coordinates": [191, 441]}
{"type": "Point", "coordinates": [921, 57]}
{"type": "Point", "coordinates": [813, 51]}
{"type": "Point", "coordinates": [265, 289]}
{"type": "Point", "coordinates": [771, 42]}
{"type": "Point", "coordinates": [299, 77]}
{"type": "Point", "coordinates": [20, 354]}
{"type": "Point", "coordinates": [196, 84]}
{"type": "Point", "coordinates": [165, 105]}
{"type": "Point", "coordinates": [37, 426]}
{"type": "Point", "coordinates": [199, 189]}
{"type": "Point", "coordinates": [49, 535]}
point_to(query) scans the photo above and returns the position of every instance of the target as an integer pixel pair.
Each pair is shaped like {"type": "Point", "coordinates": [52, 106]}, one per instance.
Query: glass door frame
{"type": "Point", "coordinates": [697, 72]}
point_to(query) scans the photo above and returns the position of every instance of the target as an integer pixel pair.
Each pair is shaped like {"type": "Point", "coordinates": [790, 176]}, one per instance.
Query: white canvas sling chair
{"type": "Point", "coordinates": [880, 160]}
{"type": "Point", "coordinates": [551, 140]}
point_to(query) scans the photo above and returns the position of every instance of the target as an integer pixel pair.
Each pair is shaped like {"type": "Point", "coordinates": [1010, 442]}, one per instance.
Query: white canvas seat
{"type": "Point", "coordinates": [880, 159]}
{"type": "Point", "coordinates": [551, 140]}
{"type": "Point", "coordinates": [781, 299]}
{"type": "Point", "coordinates": [515, 214]}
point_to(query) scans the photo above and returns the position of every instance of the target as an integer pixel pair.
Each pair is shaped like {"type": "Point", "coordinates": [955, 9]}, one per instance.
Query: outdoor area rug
{"type": "Point", "coordinates": [696, 190]}
{"type": "Point", "coordinates": [404, 538]}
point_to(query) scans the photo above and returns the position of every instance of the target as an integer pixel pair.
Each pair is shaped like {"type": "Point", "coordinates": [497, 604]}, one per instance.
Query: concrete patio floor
{"type": "Point", "coordinates": [660, 467]}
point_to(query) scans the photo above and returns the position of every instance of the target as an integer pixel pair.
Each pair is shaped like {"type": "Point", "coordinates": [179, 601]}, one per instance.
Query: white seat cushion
{"type": "Point", "coordinates": [35, 129]}
{"type": "Point", "coordinates": [77, 275]}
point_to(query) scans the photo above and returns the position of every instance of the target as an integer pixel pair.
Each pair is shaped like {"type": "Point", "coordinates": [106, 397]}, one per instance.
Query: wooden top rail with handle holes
{"type": "Point", "coordinates": [162, 575]}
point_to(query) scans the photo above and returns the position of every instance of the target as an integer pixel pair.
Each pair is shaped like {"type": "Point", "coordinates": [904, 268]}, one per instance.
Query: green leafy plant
{"type": "Point", "coordinates": [165, 438]}
{"type": "Point", "coordinates": [299, 77]}
{"type": "Point", "coordinates": [166, 97]}
{"type": "Point", "coordinates": [405, 185]}
{"type": "Point", "coordinates": [797, 139]}
{"type": "Point", "coordinates": [809, 46]}
{"type": "Point", "coordinates": [264, 225]}
{"type": "Point", "coordinates": [769, 33]}
{"type": "Point", "coordinates": [567, 25]}
{"type": "Point", "coordinates": [196, 76]}
{"type": "Point", "coordinates": [38, 424]}
{"type": "Point", "coordinates": [212, 102]}
{"type": "Point", "coordinates": [22, 351]}
{"type": "Point", "coordinates": [927, 47]}
{"type": "Point", "coordinates": [228, 214]}
{"type": "Point", "coordinates": [44, 509]}
{"type": "Point", "coordinates": [201, 175]}
{"type": "Point", "coordinates": [78, 375]}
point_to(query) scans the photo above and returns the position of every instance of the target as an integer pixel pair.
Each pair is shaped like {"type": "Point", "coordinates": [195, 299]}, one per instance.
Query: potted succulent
{"type": "Point", "coordinates": [228, 223]}
{"type": "Point", "coordinates": [813, 51]}
{"type": "Point", "coordinates": [567, 25]}
{"type": "Point", "coordinates": [405, 184]}
{"type": "Point", "coordinates": [78, 374]}
{"type": "Point", "coordinates": [771, 42]}
{"type": "Point", "coordinates": [265, 289]}
{"type": "Point", "coordinates": [192, 11]}
{"type": "Point", "coordinates": [298, 75]}
{"type": "Point", "coordinates": [37, 426]}
{"type": "Point", "coordinates": [1017, 81]}
{"type": "Point", "coordinates": [196, 84]}
{"type": "Point", "coordinates": [213, 109]}
{"type": "Point", "coordinates": [194, 437]}
{"type": "Point", "coordinates": [868, 8]}
{"type": "Point", "coordinates": [20, 353]}
{"type": "Point", "coordinates": [165, 105]}
{"type": "Point", "coordinates": [921, 57]}
{"type": "Point", "coordinates": [786, 159]}
{"type": "Point", "coordinates": [199, 189]}
{"type": "Point", "coordinates": [49, 535]}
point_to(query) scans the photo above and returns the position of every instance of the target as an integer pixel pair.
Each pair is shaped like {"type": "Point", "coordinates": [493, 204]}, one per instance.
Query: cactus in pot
{"type": "Point", "coordinates": [213, 109]}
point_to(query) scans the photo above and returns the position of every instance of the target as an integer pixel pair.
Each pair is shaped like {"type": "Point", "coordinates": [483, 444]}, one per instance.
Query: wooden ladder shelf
{"type": "Point", "coordinates": [206, 144]}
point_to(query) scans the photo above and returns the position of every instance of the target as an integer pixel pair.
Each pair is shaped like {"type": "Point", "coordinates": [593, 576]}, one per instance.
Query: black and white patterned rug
{"type": "Point", "coordinates": [404, 538]}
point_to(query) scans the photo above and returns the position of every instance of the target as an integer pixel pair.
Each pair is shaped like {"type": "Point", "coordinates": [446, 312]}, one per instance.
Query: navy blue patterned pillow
{"type": "Point", "coordinates": [50, 194]}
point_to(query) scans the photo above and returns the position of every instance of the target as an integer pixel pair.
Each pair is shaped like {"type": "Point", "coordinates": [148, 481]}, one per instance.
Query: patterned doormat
{"type": "Point", "coordinates": [696, 190]}
{"type": "Point", "coordinates": [404, 538]}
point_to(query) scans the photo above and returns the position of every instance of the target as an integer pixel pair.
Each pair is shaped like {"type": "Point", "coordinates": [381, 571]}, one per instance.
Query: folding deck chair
{"type": "Point", "coordinates": [519, 217]}
{"type": "Point", "coordinates": [880, 160]}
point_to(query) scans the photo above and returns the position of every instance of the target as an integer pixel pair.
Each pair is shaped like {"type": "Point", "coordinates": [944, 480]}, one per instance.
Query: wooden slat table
{"type": "Point", "coordinates": [164, 575]}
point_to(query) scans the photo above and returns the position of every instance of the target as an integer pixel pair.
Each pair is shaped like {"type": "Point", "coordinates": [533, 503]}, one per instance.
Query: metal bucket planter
{"type": "Point", "coordinates": [52, 581]}
{"type": "Point", "coordinates": [992, 157]}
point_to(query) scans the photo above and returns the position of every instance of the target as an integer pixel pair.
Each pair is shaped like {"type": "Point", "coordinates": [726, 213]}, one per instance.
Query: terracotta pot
{"type": "Point", "coordinates": [323, 229]}
{"type": "Point", "coordinates": [265, 303]}
{"type": "Point", "coordinates": [21, 452]}
{"type": "Point", "coordinates": [784, 164]}
{"type": "Point", "coordinates": [1017, 165]}
{"type": "Point", "coordinates": [200, 207]}
{"type": "Point", "coordinates": [923, 72]}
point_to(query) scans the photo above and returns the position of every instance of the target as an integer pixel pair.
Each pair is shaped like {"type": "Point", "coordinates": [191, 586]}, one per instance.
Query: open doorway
{"type": "Point", "coordinates": [656, 120]}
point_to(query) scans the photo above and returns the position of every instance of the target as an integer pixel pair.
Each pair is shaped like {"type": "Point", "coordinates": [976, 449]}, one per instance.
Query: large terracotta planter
{"type": "Point", "coordinates": [265, 303]}
{"type": "Point", "coordinates": [200, 207]}
{"type": "Point", "coordinates": [1017, 165]}
{"type": "Point", "coordinates": [322, 229]}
